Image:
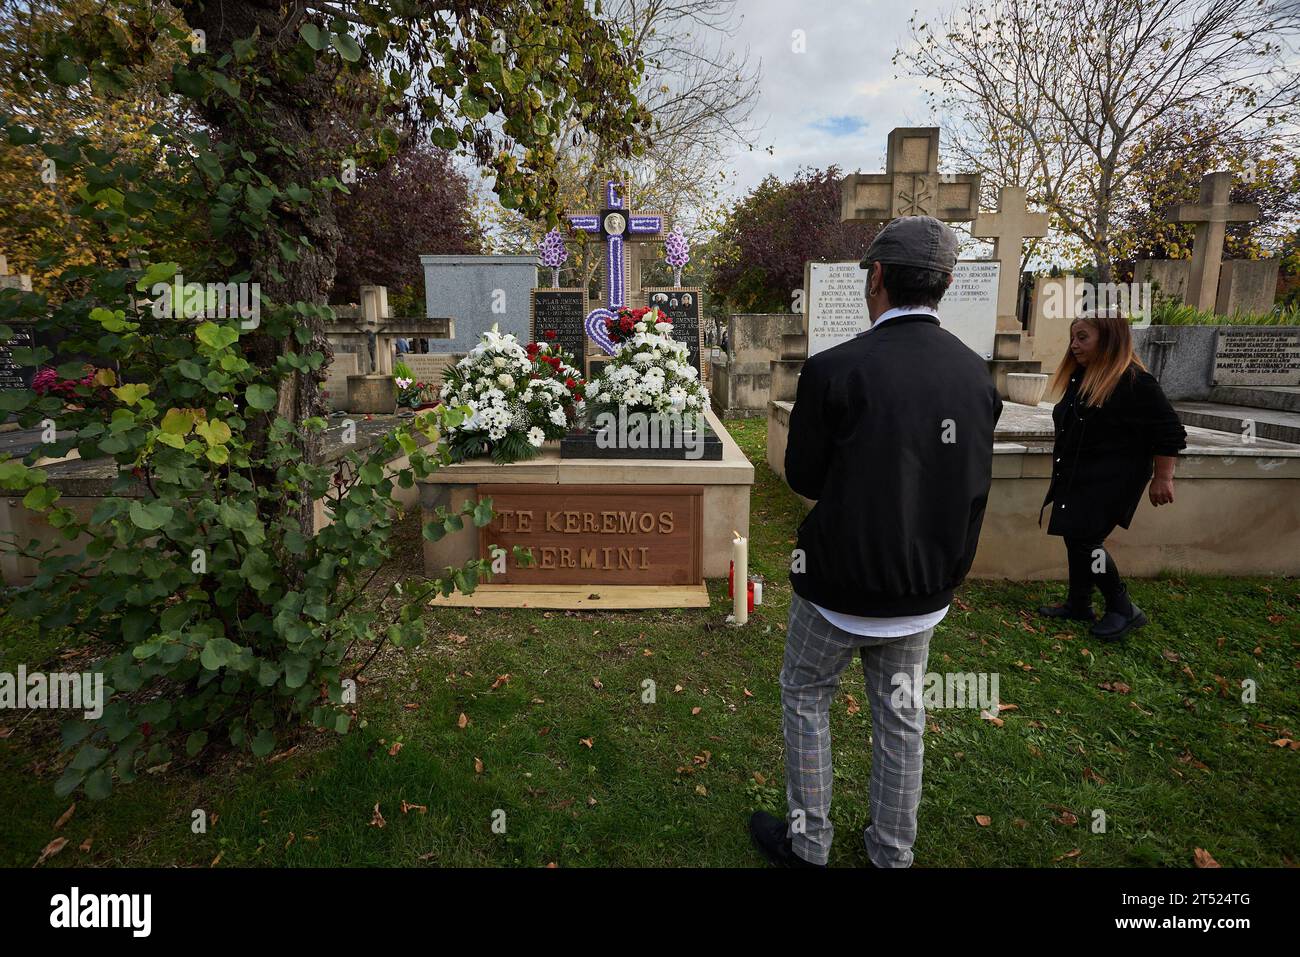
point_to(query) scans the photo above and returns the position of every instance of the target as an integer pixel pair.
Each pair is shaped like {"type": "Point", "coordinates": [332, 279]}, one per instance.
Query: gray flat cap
{"type": "Point", "coordinates": [914, 241]}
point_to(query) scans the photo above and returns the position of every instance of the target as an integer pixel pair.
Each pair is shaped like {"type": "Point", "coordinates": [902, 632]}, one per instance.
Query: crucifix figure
{"type": "Point", "coordinates": [1009, 227]}
{"type": "Point", "coordinates": [911, 184]}
{"type": "Point", "coordinates": [1210, 216]}
{"type": "Point", "coordinates": [617, 226]}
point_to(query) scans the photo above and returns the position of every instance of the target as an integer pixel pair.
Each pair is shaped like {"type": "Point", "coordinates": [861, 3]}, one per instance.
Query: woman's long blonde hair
{"type": "Point", "coordinates": [1113, 359]}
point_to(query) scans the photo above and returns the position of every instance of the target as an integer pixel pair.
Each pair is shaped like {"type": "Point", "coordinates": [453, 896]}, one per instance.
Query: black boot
{"type": "Point", "coordinates": [1071, 608]}
{"type": "Point", "coordinates": [1122, 616]}
{"type": "Point", "coordinates": [768, 833]}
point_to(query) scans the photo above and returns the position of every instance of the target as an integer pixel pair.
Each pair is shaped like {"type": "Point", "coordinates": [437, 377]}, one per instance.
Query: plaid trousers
{"type": "Point", "coordinates": [816, 653]}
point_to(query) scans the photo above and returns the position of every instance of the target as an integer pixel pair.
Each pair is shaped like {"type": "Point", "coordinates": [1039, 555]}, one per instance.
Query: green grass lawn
{"type": "Point", "coordinates": [582, 772]}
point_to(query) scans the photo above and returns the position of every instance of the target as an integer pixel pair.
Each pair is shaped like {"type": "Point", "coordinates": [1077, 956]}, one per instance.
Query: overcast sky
{"type": "Point", "coordinates": [836, 102]}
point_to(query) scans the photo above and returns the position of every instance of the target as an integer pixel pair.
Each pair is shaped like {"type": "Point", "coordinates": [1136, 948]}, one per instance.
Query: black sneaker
{"type": "Point", "coordinates": [768, 833]}
{"type": "Point", "coordinates": [1070, 610]}
{"type": "Point", "coordinates": [1115, 625]}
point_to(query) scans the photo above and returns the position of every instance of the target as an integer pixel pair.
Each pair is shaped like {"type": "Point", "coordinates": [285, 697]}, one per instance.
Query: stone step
{"type": "Point", "coordinates": [1282, 398]}
{"type": "Point", "coordinates": [1281, 426]}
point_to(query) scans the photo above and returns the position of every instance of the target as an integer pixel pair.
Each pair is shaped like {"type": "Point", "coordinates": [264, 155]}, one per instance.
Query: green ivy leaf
{"type": "Point", "coordinates": [215, 336]}
{"type": "Point", "coordinates": [261, 397]}
{"type": "Point", "coordinates": [314, 36]}
{"type": "Point", "coordinates": [347, 47]}
{"type": "Point", "coordinates": [150, 516]}
{"type": "Point", "coordinates": [263, 743]}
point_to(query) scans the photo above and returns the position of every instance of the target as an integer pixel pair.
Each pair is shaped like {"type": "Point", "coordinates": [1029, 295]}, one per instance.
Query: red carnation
{"type": "Point", "coordinates": [570, 383]}
{"type": "Point", "coordinates": [551, 334]}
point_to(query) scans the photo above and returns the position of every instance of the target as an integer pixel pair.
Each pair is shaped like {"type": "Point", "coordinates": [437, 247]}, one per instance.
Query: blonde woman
{"type": "Point", "coordinates": [1115, 433]}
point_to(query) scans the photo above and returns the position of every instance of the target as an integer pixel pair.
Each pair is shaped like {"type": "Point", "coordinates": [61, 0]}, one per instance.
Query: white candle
{"type": "Point", "coordinates": [740, 591]}
{"type": "Point", "coordinates": [758, 593]}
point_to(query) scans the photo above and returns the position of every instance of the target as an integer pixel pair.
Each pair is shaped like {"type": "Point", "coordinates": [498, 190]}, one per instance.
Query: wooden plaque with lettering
{"type": "Point", "coordinates": [597, 534]}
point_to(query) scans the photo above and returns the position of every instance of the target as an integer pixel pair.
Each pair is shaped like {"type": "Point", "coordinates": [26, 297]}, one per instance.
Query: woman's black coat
{"type": "Point", "coordinates": [1102, 457]}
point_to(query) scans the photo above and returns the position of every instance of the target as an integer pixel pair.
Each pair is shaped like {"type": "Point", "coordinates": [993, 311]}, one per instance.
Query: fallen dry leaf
{"type": "Point", "coordinates": [478, 765]}
{"type": "Point", "coordinates": [983, 820]}
{"type": "Point", "coordinates": [748, 693]}
{"type": "Point", "coordinates": [397, 746]}
{"type": "Point", "coordinates": [595, 683]}
{"type": "Point", "coordinates": [1068, 818]}
{"type": "Point", "coordinates": [992, 719]}
{"type": "Point", "coordinates": [287, 753]}
{"type": "Point", "coordinates": [759, 779]}
{"type": "Point", "coordinates": [502, 679]}
{"type": "Point", "coordinates": [85, 845]}
{"type": "Point", "coordinates": [677, 689]}
{"type": "Point", "coordinates": [65, 817]}
{"type": "Point", "coordinates": [1074, 853]}
{"type": "Point", "coordinates": [408, 807]}
{"type": "Point", "coordinates": [589, 742]}
{"type": "Point", "coordinates": [463, 720]}
{"type": "Point", "coordinates": [1203, 858]}
{"type": "Point", "coordinates": [1008, 707]}
{"type": "Point", "coordinates": [1090, 775]}
{"type": "Point", "coordinates": [701, 790]}
{"type": "Point", "coordinates": [457, 639]}
{"type": "Point", "coordinates": [217, 860]}
{"type": "Point", "coordinates": [378, 819]}
{"type": "Point", "coordinates": [1118, 687]}
{"type": "Point", "coordinates": [52, 848]}
{"type": "Point", "coordinates": [696, 710]}
{"type": "Point", "coordinates": [854, 707]}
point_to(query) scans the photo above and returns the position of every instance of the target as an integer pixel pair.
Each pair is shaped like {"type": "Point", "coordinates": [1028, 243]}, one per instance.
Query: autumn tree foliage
{"type": "Point", "coordinates": [758, 254]}
{"type": "Point", "coordinates": [419, 203]}
{"type": "Point", "coordinates": [1167, 169]}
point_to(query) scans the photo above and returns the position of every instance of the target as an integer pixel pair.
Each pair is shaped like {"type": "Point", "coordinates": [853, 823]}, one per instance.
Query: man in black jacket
{"type": "Point", "coordinates": [892, 434]}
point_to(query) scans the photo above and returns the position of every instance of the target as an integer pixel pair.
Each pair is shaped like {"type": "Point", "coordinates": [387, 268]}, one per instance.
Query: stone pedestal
{"type": "Point", "coordinates": [372, 394]}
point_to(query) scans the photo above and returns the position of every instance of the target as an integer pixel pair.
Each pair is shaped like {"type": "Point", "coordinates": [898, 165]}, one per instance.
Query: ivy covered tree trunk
{"type": "Point", "coordinates": [291, 150]}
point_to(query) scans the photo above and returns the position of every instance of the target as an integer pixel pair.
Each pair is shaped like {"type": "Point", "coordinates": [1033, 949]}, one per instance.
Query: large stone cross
{"type": "Point", "coordinates": [911, 184]}
{"type": "Point", "coordinates": [1210, 216]}
{"type": "Point", "coordinates": [1009, 227]}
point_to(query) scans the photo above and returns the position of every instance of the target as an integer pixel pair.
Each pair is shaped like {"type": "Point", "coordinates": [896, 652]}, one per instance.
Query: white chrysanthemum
{"type": "Point", "coordinates": [558, 417]}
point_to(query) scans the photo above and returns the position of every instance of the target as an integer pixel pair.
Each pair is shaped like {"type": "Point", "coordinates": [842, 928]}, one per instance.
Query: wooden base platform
{"type": "Point", "coordinates": [608, 597]}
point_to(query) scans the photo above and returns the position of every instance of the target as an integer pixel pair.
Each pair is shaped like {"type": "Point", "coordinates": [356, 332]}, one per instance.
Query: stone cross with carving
{"type": "Point", "coordinates": [911, 184]}
{"type": "Point", "coordinates": [617, 226]}
{"type": "Point", "coordinates": [1210, 216]}
{"type": "Point", "coordinates": [1009, 227]}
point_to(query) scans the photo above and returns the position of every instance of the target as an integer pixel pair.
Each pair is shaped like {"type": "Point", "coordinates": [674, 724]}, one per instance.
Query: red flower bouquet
{"type": "Point", "coordinates": [629, 322]}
